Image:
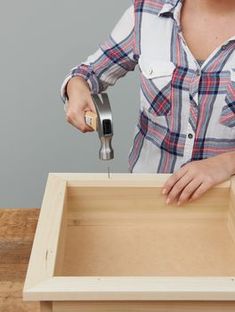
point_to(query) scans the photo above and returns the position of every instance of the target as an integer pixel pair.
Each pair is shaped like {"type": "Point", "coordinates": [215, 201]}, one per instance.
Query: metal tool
{"type": "Point", "coordinates": [102, 123]}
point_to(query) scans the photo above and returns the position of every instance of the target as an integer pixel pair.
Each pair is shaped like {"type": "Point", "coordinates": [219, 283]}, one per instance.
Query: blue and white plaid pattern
{"type": "Point", "coordinates": [187, 112]}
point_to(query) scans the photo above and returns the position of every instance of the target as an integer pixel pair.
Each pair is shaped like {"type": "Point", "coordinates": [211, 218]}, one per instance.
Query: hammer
{"type": "Point", "coordinates": [102, 123]}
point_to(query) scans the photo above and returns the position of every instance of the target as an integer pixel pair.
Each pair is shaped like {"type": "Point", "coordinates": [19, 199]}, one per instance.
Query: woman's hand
{"type": "Point", "coordinates": [193, 179]}
{"type": "Point", "coordinates": [79, 102]}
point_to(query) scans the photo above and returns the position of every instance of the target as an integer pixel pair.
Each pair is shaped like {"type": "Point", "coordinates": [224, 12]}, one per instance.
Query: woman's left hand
{"type": "Point", "coordinates": [193, 179]}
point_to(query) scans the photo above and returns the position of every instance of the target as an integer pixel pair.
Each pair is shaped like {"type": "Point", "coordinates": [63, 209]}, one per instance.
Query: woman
{"type": "Point", "coordinates": [185, 53]}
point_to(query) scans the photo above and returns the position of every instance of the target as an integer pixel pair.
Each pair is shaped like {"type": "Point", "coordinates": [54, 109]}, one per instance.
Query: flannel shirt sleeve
{"type": "Point", "coordinates": [112, 60]}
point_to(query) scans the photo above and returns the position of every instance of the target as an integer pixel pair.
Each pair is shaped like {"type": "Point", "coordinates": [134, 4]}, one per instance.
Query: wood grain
{"type": "Point", "coordinates": [17, 228]}
{"type": "Point", "coordinates": [138, 306]}
{"type": "Point", "coordinates": [43, 256]}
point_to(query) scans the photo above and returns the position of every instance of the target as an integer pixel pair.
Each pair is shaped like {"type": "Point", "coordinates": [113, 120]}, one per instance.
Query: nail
{"type": "Point", "coordinates": [164, 191]}
{"type": "Point", "coordinates": [168, 201]}
{"type": "Point", "coordinates": [179, 203]}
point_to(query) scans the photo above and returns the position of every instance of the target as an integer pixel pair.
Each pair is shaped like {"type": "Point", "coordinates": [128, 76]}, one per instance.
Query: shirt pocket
{"type": "Point", "coordinates": [227, 116]}
{"type": "Point", "coordinates": [156, 78]}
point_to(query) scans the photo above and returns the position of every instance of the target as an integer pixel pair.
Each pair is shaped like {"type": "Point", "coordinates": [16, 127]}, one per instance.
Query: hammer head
{"type": "Point", "coordinates": [104, 125]}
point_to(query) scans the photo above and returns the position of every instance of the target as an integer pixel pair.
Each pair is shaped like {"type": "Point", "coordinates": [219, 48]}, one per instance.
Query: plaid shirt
{"type": "Point", "coordinates": [187, 112]}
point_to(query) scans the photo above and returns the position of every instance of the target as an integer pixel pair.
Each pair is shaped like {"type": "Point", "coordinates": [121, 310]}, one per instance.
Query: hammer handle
{"type": "Point", "coordinates": [91, 120]}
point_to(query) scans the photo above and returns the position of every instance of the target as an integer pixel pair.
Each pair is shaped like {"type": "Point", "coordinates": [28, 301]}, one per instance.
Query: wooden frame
{"type": "Point", "coordinates": [131, 205]}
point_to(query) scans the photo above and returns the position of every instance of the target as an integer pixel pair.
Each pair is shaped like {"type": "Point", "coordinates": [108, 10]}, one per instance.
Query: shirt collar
{"type": "Point", "coordinates": [172, 8]}
{"type": "Point", "coordinates": [168, 6]}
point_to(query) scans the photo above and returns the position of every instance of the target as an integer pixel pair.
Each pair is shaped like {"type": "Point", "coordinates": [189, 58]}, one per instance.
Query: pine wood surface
{"type": "Point", "coordinates": [17, 228]}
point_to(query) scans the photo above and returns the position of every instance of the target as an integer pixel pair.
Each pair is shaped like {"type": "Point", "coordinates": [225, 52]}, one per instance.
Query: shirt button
{"type": "Point", "coordinates": [150, 71]}
{"type": "Point", "coordinates": [190, 135]}
{"type": "Point", "coordinates": [198, 72]}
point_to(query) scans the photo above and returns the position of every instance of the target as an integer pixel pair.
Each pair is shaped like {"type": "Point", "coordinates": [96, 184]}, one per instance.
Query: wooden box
{"type": "Point", "coordinates": [112, 244]}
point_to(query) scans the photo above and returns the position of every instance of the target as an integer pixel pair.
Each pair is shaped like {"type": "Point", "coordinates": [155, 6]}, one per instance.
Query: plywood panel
{"type": "Point", "coordinates": [118, 231]}
{"type": "Point", "coordinates": [173, 248]}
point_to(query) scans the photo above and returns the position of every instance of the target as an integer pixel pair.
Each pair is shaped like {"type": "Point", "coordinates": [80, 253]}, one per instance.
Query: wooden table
{"type": "Point", "coordinates": [17, 228]}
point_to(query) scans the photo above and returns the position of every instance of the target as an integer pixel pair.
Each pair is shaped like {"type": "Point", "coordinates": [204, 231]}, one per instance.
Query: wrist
{"type": "Point", "coordinates": [77, 86]}
{"type": "Point", "coordinates": [229, 162]}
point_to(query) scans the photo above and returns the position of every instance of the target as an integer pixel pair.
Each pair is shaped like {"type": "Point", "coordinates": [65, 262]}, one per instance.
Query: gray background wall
{"type": "Point", "coordinates": [40, 42]}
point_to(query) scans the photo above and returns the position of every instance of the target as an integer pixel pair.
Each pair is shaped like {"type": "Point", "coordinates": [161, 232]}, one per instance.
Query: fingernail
{"type": "Point", "coordinates": [179, 203]}
{"type": "Point", "coordinates": [163, 191]}
{"type": "Point", "coordinates": [168, 201]}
